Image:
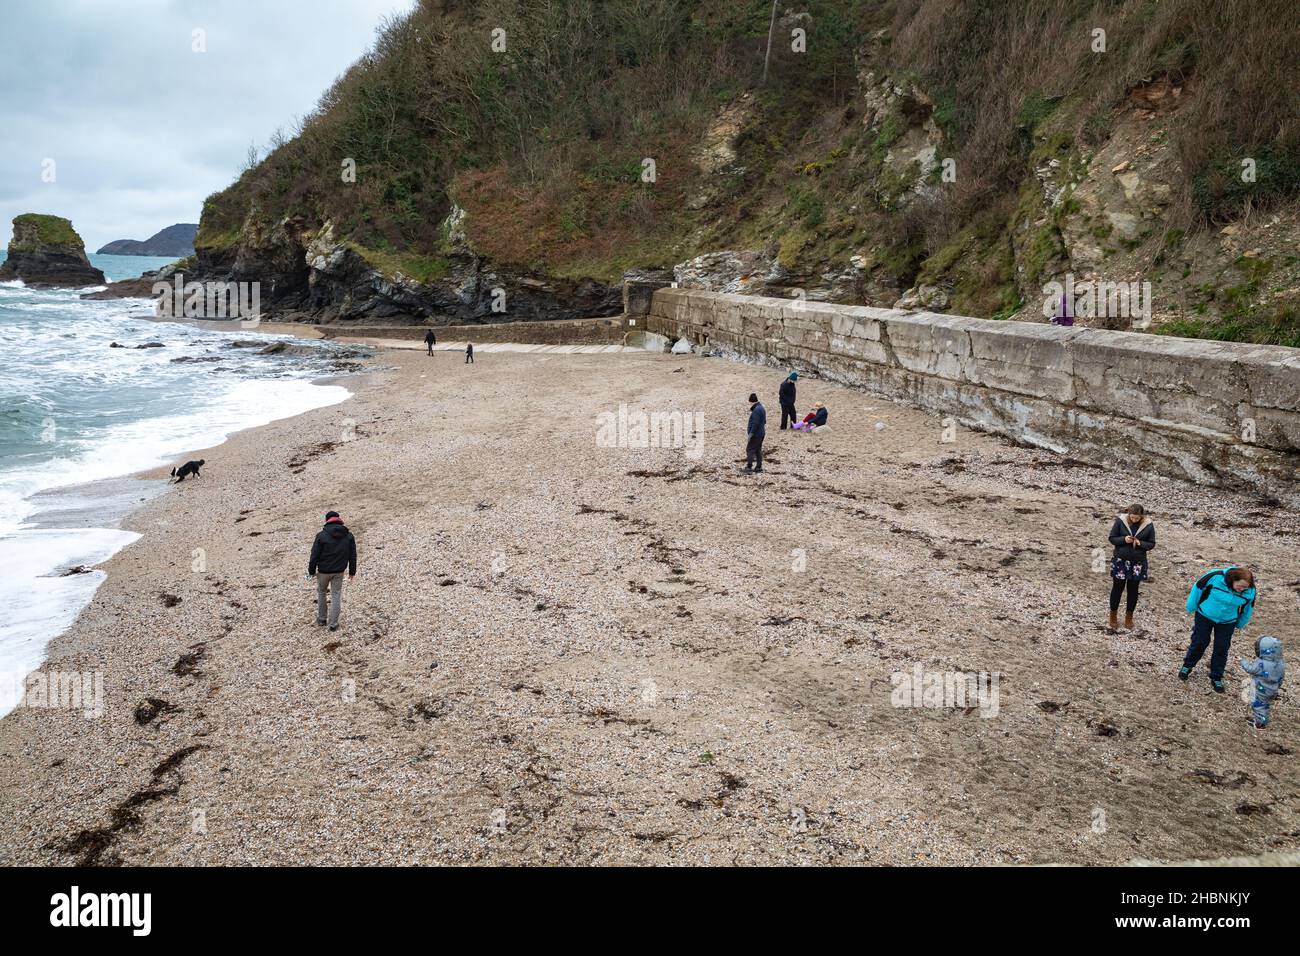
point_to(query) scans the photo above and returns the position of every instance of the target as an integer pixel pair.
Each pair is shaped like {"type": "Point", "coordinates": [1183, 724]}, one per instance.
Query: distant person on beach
{"type": "Point", "coordinates": [786, 396]}
{"type": "Point", "coordinates": [1063, 316]}
{"type": "Point", "coordinates": [757, 432]}
{"type": "Point", "coordinates": [469, 353]}
{"type": "Point", "coordinates": [813, 420]}
{"type": "Point", "coordinates": [1132, 536]}
{"type": "Point", "coordinates": [430, 340]}
{"type": "Point", "coordinates": [1220, 602]}
{"type": "Point", "coordinates": [333, 552]}
{"type": "Point", "coordinates": [1269, 670]}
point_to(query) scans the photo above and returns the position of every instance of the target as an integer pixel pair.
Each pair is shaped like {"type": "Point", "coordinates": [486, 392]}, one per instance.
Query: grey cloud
{"type": "Point", "coordinates": [140, 126]}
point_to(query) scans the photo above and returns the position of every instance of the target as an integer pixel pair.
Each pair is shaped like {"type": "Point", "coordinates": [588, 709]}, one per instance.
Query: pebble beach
{"type": "Point", "coordinates": [561, 650]}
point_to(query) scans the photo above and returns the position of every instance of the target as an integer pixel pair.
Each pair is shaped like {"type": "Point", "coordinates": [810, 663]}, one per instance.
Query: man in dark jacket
{"type": "Point", "coordinates": [430, 340]}
{"type": "Point", "coordinates": [757, 431]}
{"type": "Point", "coordinates": [333, 551]}
{"type": "Point", "coordinates": [469, 353]}
{"type": "Point", "coordinates": [786, 395]}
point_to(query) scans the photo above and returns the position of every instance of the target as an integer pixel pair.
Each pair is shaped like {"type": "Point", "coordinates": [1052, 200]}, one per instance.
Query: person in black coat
{"type": "Point", "coordinates": [333, 552]}
{"type": "Point", "coordinates": [430, 340]}
{"type": "Point", "coordinates": [757, 431]}
{"type": "Point", "coordinates": [786, 396]}
{"type": "Point", "coordinates": [1132, 536]}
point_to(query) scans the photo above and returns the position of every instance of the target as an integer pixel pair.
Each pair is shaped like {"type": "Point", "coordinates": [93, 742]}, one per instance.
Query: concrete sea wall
{"type": "Point", "coordinates": [553, 332]}
{"type": "Point", "coordinates": [1213, 412]}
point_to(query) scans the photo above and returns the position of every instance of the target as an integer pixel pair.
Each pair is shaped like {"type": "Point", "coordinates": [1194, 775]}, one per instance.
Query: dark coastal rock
{"type": "Point", "coordinates": [177, 240]}
{"type": "Point", "coordinates": [141, 288]}
{"type": "Point", "coordinates": [46, 252]}
{"type": "Point", "coordinates": [303, 348]}
{"type": "Point", "coordinates": [639, 286]}
{"type": "Point", "coordinates": [306, 275]}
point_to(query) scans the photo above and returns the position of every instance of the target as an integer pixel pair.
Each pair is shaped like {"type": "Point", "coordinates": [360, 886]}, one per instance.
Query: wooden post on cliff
{"type": "Point", "coordinates": [771, 27]}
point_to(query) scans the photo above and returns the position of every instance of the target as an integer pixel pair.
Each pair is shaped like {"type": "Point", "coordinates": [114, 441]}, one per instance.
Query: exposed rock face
{"type": "Point", "coordinates": [744, 271]}
{"type": "Point", "coordinates": [913, 139]}
{"type": "Point", "coordinates": [177, 240]}
{"type": "Point", "coordinates": [312, 276]}
{"type": "Point", "coordinates": [924, 298]}
{"type": "Point", "coordinates": [46, 252]}
{"type": "Point", "coordinates": [1122, 197]}
{"type": "Point", "coordinates": [716, 153]}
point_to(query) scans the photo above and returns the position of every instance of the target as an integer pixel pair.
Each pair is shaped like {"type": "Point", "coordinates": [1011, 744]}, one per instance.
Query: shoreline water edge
{"type": "Point", "coordinates": [65, 516]}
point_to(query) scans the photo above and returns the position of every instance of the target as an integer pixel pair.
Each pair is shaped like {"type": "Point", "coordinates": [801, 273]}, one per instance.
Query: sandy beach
{"type": "Point", "coordinates": [562, 653]}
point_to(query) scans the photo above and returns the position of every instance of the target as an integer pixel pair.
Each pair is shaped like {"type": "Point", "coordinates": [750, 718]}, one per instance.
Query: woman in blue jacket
{"type": "Point", "coordinates": [1221, 601]}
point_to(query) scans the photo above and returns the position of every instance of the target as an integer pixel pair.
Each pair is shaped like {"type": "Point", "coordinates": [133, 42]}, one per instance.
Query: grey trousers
{"type": "Point", "coordinates": [333, 582]}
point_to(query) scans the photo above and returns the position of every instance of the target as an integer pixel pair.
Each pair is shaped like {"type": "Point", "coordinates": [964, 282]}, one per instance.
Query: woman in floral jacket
{"type": "Point", "coordinates": [1132, 536]}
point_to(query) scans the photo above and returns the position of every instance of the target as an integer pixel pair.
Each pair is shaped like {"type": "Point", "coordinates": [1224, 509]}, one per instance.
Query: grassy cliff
{"type": "Point", "coordinates": [957, 151]}
{"type": "Point", "coordinates": [34, 232]}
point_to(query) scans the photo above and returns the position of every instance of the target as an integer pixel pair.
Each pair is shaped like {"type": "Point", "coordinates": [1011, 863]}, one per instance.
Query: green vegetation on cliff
{"type": "Point", "coordinates": [541, 131]}
{"type": "Point", "coordinates": [35, 231]}
{"type": "Point", "coordinates": [975, 148]}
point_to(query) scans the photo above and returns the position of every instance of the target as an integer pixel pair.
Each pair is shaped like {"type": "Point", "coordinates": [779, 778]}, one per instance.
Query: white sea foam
{"type": "Point", "coordinates": [111, 412]}
{"type": "Point", "coordinates": [38, 603]}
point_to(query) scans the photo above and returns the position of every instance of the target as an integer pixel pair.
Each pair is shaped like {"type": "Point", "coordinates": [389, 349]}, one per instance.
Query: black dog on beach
{"type": "Point", "coordinates": [189, 468]}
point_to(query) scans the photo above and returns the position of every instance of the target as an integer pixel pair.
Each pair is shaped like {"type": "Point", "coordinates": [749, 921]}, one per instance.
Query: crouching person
{"type": "Point", "coordinates": [333, 552]}
{"type": "Point", "coordinates": [1268, 669]}
{"type": "Point", "coordinates": [1220, 603]}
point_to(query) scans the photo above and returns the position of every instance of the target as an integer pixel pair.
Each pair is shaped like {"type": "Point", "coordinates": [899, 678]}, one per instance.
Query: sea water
{"type": "Point", "coordinates": [77, 415]}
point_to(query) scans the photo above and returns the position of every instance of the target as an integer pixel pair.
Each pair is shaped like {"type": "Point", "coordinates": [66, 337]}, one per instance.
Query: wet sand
{"type": "Point", "coordinates": [561, 653]}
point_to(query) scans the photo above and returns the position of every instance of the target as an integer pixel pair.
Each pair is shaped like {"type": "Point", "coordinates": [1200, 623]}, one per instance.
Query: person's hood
{"type": "Point", "coordinates": [1270, 647]}
{"type": "Point", "coordinates": [1123, 517]}
{"type": "Point", "coordinates": [335, 529]}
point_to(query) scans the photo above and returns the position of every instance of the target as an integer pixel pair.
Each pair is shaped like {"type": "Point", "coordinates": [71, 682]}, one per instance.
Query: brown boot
{"type": "Point", "coordinates": [1128, 622]}
{"type": "Point", "coordinates": [1114, 620]}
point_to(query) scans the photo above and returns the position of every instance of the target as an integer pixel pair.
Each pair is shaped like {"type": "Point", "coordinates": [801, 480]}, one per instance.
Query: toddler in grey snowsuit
{"type": "Point", "coordinates": [1268, 671]}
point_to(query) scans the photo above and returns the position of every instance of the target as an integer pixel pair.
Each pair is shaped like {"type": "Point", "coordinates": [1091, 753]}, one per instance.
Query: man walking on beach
{"type": "Point", "coordinates": [757, 431]}
{"type": "Point", "coordinates": [786, 395]}
{"type": "Point", "coordinates": [469, 353]}
{"type": "Point", "coordinates": [430, 340]}
{"type": "Point", "coordinates": [333, 551]}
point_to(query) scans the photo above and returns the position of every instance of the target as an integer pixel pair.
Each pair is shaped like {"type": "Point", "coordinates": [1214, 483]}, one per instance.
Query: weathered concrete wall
{"type": "Point", "coordinates": [1213, 412]}
{"type": "Point", "coordinates": [557, 332]}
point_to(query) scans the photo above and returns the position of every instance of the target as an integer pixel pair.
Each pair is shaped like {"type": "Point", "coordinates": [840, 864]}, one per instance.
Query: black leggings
{"type": "Point", "coordinates": [1117, 588]}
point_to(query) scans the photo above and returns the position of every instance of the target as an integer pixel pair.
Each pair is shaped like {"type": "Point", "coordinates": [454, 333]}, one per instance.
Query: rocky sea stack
{"type": "Point", "coordinates": [46, 251]}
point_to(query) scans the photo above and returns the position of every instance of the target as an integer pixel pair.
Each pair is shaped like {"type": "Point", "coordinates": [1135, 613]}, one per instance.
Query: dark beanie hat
{"type": "Point", "coordinates": [753, 397]}
{"type": "Point", "coordinates": [331, 514]}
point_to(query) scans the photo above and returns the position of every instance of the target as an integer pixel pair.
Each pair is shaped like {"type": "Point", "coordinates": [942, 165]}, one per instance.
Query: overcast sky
{"type": "Point", "coordinates": [141, 128]}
